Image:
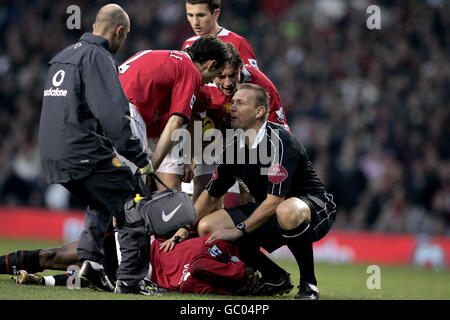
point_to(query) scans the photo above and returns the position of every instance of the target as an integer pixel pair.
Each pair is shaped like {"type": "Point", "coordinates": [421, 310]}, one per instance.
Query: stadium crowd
{"type": "Point", "coordinates": [371, 106]}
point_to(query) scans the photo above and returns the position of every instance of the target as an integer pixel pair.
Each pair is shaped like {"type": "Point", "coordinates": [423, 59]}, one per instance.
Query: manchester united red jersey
{"type": "Point", "coordinates": [196, 267]}
{"type": "Point", "coordinates": [241, 44]}
{"type": "Point", "coordinates": [160, 83]}
{"type": "Point", "coordinates": [217, 104]}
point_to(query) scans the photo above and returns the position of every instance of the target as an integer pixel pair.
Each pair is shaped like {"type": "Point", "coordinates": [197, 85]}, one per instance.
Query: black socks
{"type": "Point", "coordinates": [22, 259]}
{"type": "Point", "coordinates": [299, 242]}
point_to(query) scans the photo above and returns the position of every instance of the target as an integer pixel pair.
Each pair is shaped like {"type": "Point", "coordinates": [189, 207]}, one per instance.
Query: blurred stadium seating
{"type": "Point", "coordinates": [371, 106]}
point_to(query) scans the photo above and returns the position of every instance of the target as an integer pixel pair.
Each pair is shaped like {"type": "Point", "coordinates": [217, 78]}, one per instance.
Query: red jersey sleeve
{"type": "Point", "coordinates": [247, 54]}
{"type": "Point", "coordinates": [189, 42]}
{"type": "Point", "coordinates": [276, 113]}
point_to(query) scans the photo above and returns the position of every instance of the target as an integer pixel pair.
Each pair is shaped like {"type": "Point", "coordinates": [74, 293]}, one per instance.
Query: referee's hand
{"type": "Point", "coordinates": [225, 234]}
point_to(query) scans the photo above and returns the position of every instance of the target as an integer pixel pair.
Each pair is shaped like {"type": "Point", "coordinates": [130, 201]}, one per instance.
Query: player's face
{"type": "Point", "coordinates": [227, 81]}
{"type": "Point", "coordinates": [243, 110]}
{"type": "Point", "coordinates": [201, 19]}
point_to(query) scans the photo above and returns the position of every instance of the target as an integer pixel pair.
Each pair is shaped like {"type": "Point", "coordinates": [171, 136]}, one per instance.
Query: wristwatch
{"type": "Point", "coordinates": [241, 226]}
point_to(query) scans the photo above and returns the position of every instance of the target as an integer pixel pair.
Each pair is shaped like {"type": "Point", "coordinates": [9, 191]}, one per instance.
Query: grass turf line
{"type": "Point", "coordinates": [335, 282]}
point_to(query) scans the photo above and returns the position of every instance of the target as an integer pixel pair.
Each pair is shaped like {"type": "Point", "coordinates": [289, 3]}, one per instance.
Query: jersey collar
{"type": "Point", "coordinates": [223, 33]}
{"type": "Point", "coordinates": [259, 137]}
{"type": "Point", "coordinates": [95, 39]}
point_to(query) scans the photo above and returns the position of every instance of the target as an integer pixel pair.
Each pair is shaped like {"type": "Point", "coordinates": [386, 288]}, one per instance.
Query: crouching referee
{"type": "Point", "coordinates": [292, 206]}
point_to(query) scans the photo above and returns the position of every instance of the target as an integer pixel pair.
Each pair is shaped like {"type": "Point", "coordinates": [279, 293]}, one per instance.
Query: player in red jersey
{"type": "Point", "coordinates": [199, 267]}
{"type": "Point", "coordinates": [215, 100]}
{"type": "Point", "coordinates": [203, 17]}
{"type": "Point", "coordinates": [192, 267]}
{"type": "Point", "coordinates": [163, 85]}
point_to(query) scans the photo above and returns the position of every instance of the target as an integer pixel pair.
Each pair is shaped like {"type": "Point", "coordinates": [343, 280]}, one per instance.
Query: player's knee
{"type": "Point", "coordinates": [204, 227]}
{"type": "Point", "coordinates": [290, 215]}
{"type": "Point", "coordinates": [47, 256]}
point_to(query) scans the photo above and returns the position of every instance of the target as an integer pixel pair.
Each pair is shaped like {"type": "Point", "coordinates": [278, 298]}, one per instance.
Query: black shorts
{"type": "Point", "coordinates": [323, 214]}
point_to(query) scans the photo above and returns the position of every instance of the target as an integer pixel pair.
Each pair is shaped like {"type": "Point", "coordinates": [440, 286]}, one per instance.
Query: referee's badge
{"type": "Point", "coordinates": [277, 173]}
{"type": "Point", "coordinates": [116, 162]}
{"type": "Point", "coordinates": [215, 175]}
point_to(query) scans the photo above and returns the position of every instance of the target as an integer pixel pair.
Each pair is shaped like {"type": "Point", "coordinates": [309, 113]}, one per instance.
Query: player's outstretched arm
{"type": "Point", "coordinates": [165, 142]}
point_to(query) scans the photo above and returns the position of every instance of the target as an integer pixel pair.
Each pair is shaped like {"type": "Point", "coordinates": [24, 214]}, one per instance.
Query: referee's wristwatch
{"type": "Point", "coordinates": [241, 226]}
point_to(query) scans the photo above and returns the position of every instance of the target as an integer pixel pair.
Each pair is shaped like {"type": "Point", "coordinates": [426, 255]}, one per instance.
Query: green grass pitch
{"type": "Point", "coordinates": [335, 281]}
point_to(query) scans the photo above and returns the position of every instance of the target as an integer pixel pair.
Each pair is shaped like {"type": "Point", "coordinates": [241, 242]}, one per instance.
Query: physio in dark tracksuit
{"type": "Point", "coordinates": [85, 113]}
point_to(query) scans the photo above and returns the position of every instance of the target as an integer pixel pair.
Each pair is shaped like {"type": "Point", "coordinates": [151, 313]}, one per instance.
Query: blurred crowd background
{"type": "Point", "coordinates": [371, 106]}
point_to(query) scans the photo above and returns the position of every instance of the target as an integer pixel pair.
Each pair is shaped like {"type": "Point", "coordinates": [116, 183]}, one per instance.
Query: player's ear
{"type": "Point", "coordinates": [216, 14]}
{"type": "Point", "coordinates": [260, 111]}
{"type": "Point", "coordinates": [211, 65]}
{"type": "Point", "coordinates": [119, 32]}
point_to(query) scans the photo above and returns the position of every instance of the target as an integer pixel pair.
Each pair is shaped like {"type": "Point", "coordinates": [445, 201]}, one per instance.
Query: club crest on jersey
{"type": "Point", "coordinates": [226, 107]}
{"type": "Point", "coordinates": [277, 173]}
{"type": "Point", "coordinates": [214, 251]}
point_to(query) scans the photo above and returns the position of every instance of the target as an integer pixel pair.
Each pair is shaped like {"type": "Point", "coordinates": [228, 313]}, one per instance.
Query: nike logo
{"type": "Point", "coordinates": [167, 217]}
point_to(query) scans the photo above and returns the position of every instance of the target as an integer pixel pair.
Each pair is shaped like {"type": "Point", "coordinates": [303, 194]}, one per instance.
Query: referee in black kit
{"type": "Point", "coordinates": [85, 113]}
{"type": "Point", "coordinates": [292, 206]}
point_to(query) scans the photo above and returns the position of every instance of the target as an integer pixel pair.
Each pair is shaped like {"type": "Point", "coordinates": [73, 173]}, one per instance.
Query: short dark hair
{"type": "Point", "coordinates": [262, 97]}
{"type": "Point", "coordinates": [212, 4]}
{"type": "Point", "coordinates": [207, 48]}
{"type": "Point", "coordinates": [235, 59]}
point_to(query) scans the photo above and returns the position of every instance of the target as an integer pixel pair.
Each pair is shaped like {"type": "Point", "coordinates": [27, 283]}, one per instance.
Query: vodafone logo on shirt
{"type": "Point", "coordinates": [277, 173]}
{"type": "Point", "coordinates": [57, 80]}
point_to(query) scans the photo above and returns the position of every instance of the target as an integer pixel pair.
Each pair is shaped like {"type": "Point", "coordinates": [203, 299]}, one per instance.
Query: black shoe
{"type": "Point", "coordinates": [140, 288]}
{"type": "Point", "coordinates": [307, 291]}
{"type": "Point", "coordinates": [273, 287]}
{"type": "Point", "coordinates": [153, 286]}
{"type": "Point", "coordinates": [95, 279]}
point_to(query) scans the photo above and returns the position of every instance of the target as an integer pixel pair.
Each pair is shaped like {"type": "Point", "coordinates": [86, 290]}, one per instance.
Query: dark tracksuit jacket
{"type": "Point", "coordinates": [84, 113]}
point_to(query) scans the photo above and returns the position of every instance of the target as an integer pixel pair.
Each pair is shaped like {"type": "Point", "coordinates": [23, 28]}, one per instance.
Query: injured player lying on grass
{"type": "Point", "coordinates": [193, 267]}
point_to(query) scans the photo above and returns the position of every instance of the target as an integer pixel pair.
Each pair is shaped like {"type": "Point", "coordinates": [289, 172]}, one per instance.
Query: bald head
{"type": "Point", "coordinates": [112, 23]}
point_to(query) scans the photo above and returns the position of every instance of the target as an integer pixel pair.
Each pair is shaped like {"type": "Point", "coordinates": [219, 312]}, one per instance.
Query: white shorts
{"type": "Point", "coordinates": [169, 164]}
{"type": "Point", "coordinates": [204, 169]}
